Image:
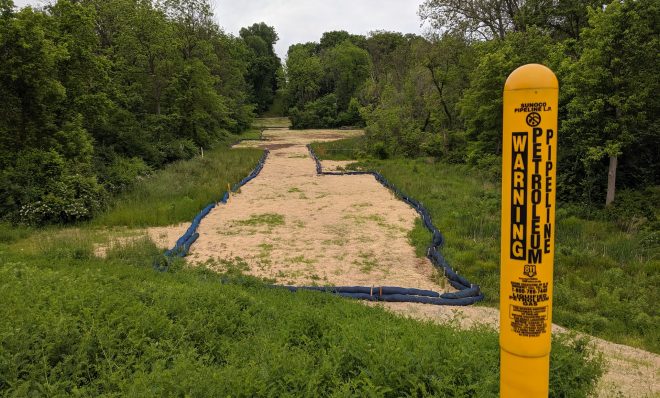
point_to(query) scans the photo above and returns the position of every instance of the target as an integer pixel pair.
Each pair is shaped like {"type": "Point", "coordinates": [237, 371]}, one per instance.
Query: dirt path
{"type": "Point", "coordinates": [297, 227]}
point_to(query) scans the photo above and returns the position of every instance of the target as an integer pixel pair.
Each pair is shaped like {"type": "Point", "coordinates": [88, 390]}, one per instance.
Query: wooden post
{"type": "Point", "coordinates": [611, 180]}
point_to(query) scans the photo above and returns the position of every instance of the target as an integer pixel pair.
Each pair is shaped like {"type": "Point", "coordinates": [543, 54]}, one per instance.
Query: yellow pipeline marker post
{"type": "Point", "coordinates": [529, 161]}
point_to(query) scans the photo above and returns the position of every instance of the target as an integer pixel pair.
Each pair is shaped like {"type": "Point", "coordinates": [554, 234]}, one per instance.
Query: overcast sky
{"type": "Point", "coordinates": [299, 21]}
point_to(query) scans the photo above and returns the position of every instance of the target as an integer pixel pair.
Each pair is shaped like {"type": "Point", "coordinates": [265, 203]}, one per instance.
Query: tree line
{"type": "Point", "coordinates": [96, 94]}
{"type": "Point", "coordinates": [440, 94]}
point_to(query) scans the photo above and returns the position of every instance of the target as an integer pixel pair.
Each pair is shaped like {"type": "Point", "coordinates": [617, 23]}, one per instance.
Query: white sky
{"type": "Point", "coordinates": [297, 21]}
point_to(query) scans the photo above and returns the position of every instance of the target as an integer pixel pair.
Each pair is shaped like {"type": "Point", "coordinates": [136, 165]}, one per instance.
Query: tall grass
{"type": "Point", "coordinates": [275, 122]}
{"type": "Point", "coordinates": [179, 191]}
{"type": "Point", "coordinates": [74, 324]}
{"type": "Point", "coordinates": [11, 233]}
{"type": "Point", "coordinates": [346, 149]}
{"type": "Point", "coordinates": [606, 278]}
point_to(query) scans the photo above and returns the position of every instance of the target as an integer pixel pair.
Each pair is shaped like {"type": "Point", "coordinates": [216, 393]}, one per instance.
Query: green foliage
{"type": "Point", "coordinates": [336, 37]}
{"type": "Point", "coordinates": [441, 95]}
{"type": "Point", "coordinates": [95, 94]}
{"type": "Point", "coordinates": [122, 173]}
{"type": "Point", "coordinates": [494, 19]}
{"type": "Point", "coordinates": [346, 67]}
{"type": "Point", "coordinates": [324, 113]}
{"type": "Point", "coordinates": [612, 106]}
{"type": "Point", "coordinates": [321, 113]}
{"type": "Point", "coordinates": [412, 100]}
{"type": "Point", "coordinates": [304, 72]}
{"type": "Point", "coordinates": [46, 153]}
{"type": "Point", "coordinates": [324, 79]}
{"type": "Point", "coordinates": [42, 187]}
{"type": "Point", "coordinates": [481, 105]}
{"type": "Point", "coordinates": [75, 324]}
{"type": "Point", "coordinates": [264, 64]}
{"type": "Point", "coordinates": [278, 108]}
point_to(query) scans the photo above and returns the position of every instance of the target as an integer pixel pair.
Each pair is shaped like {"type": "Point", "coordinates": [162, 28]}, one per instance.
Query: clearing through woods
{"type": "Point", "coordinates": [296, 227]}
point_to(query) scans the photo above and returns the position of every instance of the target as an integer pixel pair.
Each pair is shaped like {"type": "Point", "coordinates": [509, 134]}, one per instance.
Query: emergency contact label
{"type": "Point", "coordinates": [529, 321]}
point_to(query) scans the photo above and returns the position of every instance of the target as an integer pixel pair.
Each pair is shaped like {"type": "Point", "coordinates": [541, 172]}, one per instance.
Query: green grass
{"type": "Point", "coordinates": [251, 134]}
{"type": "Point", "coordinates": [10, 233]}
{"type": "Point", "coordinates": [77, 325]}
{"type": "Point", "coordinates": [275, 122]}
{"type": "Point", "coordinates": [606, 278]}
{"type": "Point", "coordinates": [346, 149]}
{"type": "Point", "coordinates": [266, 219]}
{"type": "Point", "coordinates": [179, 191]}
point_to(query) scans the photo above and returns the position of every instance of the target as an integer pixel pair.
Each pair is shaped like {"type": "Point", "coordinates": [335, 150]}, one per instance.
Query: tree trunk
{"type": "Point", "coordinates": [611, 181]}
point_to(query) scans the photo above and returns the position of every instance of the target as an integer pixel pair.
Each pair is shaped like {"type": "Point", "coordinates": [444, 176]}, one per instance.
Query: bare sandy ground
{"type": "Point", "coordinates": [296, 227]}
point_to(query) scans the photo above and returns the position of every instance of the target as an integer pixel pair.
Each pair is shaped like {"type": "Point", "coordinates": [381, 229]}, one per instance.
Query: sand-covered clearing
{"type": "Point", "coordinates": [297, 227]}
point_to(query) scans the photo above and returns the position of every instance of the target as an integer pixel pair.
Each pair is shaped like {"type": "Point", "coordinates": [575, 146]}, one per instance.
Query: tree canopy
{"type": "Point", "coordinates": [263, 63]}
{"type": "Point", "coordinates": [96, 93]}
{"type": "Point", "coordinates": [441, 95]}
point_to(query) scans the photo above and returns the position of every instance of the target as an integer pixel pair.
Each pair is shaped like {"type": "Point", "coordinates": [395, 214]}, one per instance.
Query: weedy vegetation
{"type": "Point", "coordinates": [77, 324]}
{"type": "Point", "coordinates": [178, 192]}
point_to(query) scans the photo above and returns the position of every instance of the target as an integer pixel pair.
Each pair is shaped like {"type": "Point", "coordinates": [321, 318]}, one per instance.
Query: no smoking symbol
{"type": "Point", "coordinates": [533, 119]}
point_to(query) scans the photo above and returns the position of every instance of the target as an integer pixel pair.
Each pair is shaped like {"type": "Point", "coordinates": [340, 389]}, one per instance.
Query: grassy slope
{"type": "Point", "coordinates": [182, 189]}
{"type": "Point", "coordinates": [605, 279]}
{"type": "Point", "coordinates": [74, 324]}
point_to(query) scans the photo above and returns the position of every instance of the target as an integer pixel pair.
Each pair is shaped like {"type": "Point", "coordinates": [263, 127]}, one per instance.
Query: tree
{"type": "Point", "coordinates": [611, 134]}
{"type": "Point", "coordinates": [45, 153]}
{"type": "Point", "coordinates": [561, 18]}
{"type": "Point", "coordinates": [6, 8]}
{"type": "Point", "coordinates": [324, 81]}
{"type": "Point", "coordinates": [264, 63]}
{"type": "Point", "coordinates": [449, 60]}
{"type": "Point", "coordinates": [390, 55]}
{"type": "Point", "coordinates": [304, 71]}
{"type": "Point", "coordinates": [481, 104]}
{"type": "Point", "coordinates": [493, 19]}
{"type": "Point", "coordinates": [95, 93]}
{"type": "Point", "coordinates": [482, 19]}
{"type": "Point", "coordinates": [346, 68]}
{"type": "Point", "coordinates": [334, 38]}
